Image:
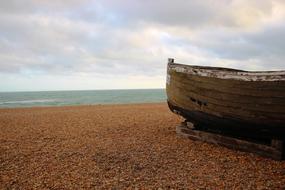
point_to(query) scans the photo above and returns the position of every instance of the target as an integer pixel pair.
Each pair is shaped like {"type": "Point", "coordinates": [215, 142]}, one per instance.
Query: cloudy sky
{"type": "Point", "coordinates": [111, 44]}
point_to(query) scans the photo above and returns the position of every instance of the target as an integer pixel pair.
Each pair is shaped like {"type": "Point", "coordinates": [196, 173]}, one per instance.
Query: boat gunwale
{"type": "Point", "coordinates": [227, 73]}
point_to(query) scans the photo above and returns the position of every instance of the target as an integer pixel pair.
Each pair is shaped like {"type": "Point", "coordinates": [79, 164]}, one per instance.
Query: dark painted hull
{"type": "Point", "coordinates": [254, 105]}
{"type": "Point", "coordinates": [204, 120]}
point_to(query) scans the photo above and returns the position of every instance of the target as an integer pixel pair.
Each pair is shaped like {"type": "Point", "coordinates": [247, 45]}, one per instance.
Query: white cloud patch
{"type": "Point", "coordinates": [132, 39]}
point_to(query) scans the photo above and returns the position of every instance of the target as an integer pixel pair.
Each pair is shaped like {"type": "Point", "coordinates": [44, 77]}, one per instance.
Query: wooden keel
{"type": "Point", "coordinates": [275, 149]}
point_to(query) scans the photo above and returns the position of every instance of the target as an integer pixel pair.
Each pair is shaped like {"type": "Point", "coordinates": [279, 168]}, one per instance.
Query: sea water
{"type": "Point", "coordinates": [86, 97]}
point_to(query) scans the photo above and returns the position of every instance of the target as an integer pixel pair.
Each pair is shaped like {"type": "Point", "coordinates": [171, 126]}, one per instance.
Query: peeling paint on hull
{"type": "Point", "coordinates": [224, 73]}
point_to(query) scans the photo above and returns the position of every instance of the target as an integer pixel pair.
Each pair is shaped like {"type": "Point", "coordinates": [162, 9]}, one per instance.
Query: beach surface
{"type": "Point", "coordinates": [131, 146]}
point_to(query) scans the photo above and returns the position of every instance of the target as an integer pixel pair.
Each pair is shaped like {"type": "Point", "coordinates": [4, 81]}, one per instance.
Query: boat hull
{"type": "Point", "coordinates": [253, 103]}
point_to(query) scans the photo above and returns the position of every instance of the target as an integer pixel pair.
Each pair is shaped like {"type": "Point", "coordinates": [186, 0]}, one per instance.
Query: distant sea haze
{"type": "Point", "coordinates": [86, 97]}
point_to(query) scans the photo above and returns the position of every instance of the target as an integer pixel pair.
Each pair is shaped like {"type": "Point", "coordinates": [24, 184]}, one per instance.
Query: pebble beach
{"type": "Point", "coordinates": [131, 146]}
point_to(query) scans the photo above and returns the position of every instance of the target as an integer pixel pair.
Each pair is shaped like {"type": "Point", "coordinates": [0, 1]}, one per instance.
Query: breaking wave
{"type": "Point", "coordinates": [28, 101]}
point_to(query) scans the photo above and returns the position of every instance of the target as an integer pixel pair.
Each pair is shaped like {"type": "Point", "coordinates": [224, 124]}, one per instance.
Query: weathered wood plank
{"type": "Point", "coordinates": [228, 111]}
{"type": "Point", "coordinates": [269, 89]}
{"type": "Point", "coordinates": [230, 142]}
{"type": "Point", "coordinates": [219, 100]}
{"type": "Point", "coordinates": [229, 74]}
{"type": "Point", "coordinates": [231, 83]}
{"type": "Point", "coordinates": [240, 96]}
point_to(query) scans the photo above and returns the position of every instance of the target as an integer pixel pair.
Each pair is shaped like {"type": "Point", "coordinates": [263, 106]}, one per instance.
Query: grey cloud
{"type": "Point", "coordinates": [60, 45]}
{"type": "Point", "coordinates": [135, 37]}
{"type": "Point", "coordinates": [35, 6]}
{"type": "Point", "coordinates": [265, 45]}
{"type": "Point", "coordinates": [193, 13]}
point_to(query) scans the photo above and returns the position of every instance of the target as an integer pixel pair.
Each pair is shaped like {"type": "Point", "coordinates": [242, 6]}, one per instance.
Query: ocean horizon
{"type": "Point", "coordinates": [80, 97]}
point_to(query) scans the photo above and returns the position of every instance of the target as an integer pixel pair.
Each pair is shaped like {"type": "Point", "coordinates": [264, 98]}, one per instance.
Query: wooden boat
{"type": "Point", "coordinates": [212, 97]}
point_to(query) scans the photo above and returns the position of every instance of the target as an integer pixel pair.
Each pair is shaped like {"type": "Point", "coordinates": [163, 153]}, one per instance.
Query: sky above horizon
{"type": "Point", "coordinates": [124, 44]}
